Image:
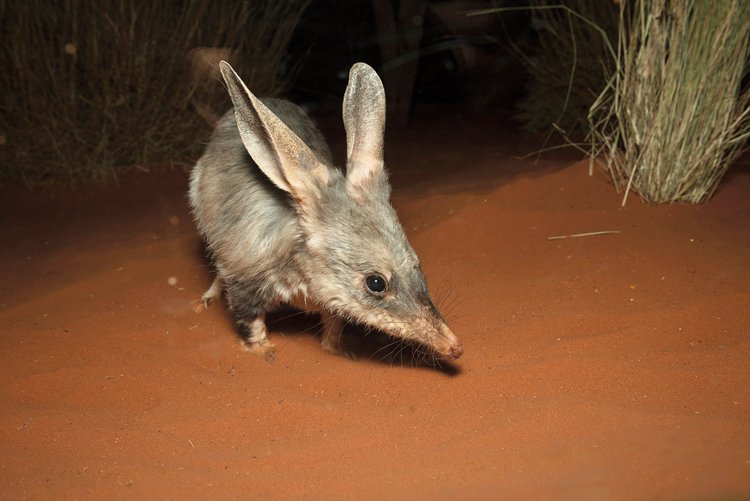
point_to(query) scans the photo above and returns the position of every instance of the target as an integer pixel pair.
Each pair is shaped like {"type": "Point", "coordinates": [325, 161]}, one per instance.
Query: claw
{"type": "Point", "coordinates": [202, 304]}
{"type": "Point", "coordinates": [340, 351]}
{"type": "Point", "coordinates": [208, 297]}
{"type": "Point", "coordinates": [263, 349]}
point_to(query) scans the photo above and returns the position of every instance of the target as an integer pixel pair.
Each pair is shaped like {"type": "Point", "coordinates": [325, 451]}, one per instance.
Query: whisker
{"type": "Point", "coordinates": [393, 344]}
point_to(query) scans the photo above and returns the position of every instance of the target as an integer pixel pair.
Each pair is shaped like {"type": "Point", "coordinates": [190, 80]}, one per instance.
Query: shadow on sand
{"type": "Point", "coordinates": [366, 344]}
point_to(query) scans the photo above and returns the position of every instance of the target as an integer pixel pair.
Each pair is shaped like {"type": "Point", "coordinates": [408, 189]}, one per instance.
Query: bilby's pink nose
{"type": "Point", "coordinates": [450, 347]}
{"type": "Point", "coordinates": [455, 351]}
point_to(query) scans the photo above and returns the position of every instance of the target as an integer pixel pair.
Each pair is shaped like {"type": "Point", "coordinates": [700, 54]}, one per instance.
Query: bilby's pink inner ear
{"type": "Point", "coordinates": [282, 156]}
{"type": "Point", "coordinates": [364, 121]}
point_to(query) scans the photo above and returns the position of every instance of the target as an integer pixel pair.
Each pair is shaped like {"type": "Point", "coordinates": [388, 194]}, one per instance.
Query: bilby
{"type": "Point", "coordinates": [284, 226]}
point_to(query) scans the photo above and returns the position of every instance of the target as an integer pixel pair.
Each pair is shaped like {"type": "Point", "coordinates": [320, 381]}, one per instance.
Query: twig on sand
{"type": "Point", "coordinates": [589, 234]}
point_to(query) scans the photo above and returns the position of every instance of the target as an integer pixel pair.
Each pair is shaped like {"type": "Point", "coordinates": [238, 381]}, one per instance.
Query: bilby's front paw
{"type": "Point", "coordinates": [202, 304]}
{"type": "Point", "coordinates": [342, 351]}
{"type": "Point", "coordinates": [263, 349]}
{"type": "Point", "coordinates": [213, 293]}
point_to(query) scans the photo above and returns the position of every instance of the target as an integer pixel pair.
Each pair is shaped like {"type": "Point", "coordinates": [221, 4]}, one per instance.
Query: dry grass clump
{"type": "Point", "coordinates": [88, 88]}
{"type": "Point", "coordinates": [569, 65]}
{"type": "Point", "coordinates": [675, 114]}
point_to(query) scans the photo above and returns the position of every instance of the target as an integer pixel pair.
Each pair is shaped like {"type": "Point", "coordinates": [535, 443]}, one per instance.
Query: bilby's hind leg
{"type": "Point", "coordinates": [333, 327]}
{"type": "Point", "coordinates": [249, 309]}
{"type": "Point", "coordinates": [212, 294]}
{"type": "Point", "coordinates": [255, 339]}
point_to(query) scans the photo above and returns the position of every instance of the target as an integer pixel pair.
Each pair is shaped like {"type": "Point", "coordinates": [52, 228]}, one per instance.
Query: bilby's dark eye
{"type": "Point", "coordinates": [376, 284]}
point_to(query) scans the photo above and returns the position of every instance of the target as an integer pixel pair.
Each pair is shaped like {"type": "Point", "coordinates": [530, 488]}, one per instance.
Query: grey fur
{"type": "Point", "coordinates": [285, 226]}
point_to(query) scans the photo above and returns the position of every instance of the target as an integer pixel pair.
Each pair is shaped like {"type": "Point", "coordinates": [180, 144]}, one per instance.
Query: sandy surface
{"type": "Point", "coordinates": [603, 367]}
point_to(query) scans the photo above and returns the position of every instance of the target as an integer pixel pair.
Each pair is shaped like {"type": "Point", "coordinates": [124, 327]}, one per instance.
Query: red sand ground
{"type": "Point", "coordinates": [607, 367]}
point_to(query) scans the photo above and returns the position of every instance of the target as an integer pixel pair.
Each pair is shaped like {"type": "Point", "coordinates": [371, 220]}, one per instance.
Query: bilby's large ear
{"type": "Point", "coordinates": [364, 121]}
{"type": "Point", "coordinates": [282, 156]}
